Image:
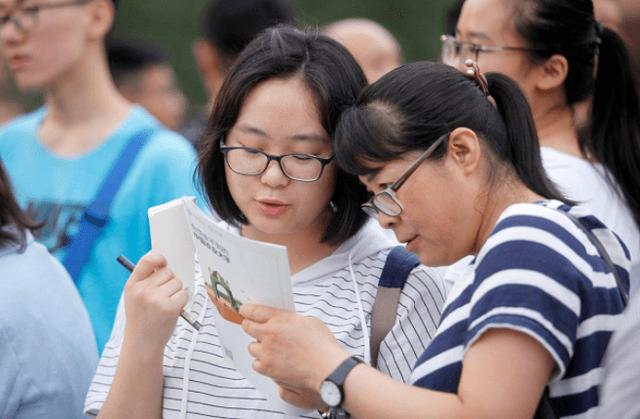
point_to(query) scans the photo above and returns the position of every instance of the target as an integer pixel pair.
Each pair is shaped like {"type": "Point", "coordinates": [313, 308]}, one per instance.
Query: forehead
{"type": "Point", "coordinates": [282, 106]}
{"type": "Point", "coordinates": [486, 19]}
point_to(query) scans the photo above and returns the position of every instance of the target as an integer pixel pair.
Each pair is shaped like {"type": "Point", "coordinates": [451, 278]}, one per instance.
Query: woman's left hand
{"type": "Point", "coordinates": [297, 352]}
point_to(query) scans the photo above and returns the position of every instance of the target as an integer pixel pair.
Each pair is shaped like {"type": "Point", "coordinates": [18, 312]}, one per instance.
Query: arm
{"type": "Point", "coordinates": [504, 372]}
{"type": "Point", "coordinates": [153, 300]}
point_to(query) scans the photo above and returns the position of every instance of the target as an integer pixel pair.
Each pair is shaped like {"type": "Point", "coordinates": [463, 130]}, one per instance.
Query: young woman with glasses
{"type": "Point", "coordinates": [455, 169]}
{"type": "Point", "coordinates": [268, 167]}
{"type": "Point", "coordinates": [561, 57]}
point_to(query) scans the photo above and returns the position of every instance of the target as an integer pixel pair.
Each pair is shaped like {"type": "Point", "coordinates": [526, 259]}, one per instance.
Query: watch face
{"type": "Point", "coordinates": [330, 393]}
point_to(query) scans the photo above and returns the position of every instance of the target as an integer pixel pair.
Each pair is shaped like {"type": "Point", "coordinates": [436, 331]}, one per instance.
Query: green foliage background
{"type": "Point", "coordinates": [174, 24]}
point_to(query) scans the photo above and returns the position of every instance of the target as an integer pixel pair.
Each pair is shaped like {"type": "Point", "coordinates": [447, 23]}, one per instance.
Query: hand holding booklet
{"type": "Point", "coordinates": [237, 269]}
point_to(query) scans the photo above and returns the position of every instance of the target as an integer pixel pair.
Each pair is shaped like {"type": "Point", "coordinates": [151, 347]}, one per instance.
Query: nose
{"type": "Point", "coordinates": [11, 32]}
{"type": "Point", "coordinates": [274, 176]}
{"type": "Point", "coordinates": [386, 221]}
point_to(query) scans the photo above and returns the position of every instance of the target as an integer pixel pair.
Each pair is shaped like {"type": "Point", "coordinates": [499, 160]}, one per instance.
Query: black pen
{"type": "Point", "coordinates": [130, 266]}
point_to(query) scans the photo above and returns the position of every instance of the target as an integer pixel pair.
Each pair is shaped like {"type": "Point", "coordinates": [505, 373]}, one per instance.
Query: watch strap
{"type": "Point", "coordinates": [339, 375]}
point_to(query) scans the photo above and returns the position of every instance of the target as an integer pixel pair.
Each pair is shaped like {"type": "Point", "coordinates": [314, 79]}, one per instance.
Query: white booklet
{"type": "Point", "coordinates": [238, 269]}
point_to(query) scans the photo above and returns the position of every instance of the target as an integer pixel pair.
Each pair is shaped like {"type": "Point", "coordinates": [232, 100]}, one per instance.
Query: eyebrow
{"type": "Point", "coordinates": [474, 34]}
{"type": "Point", "coordinates": [309, 136]}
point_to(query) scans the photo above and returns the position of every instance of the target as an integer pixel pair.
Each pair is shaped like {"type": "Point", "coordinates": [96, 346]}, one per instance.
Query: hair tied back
{"type": "Point", "coordinates": [473, 72]}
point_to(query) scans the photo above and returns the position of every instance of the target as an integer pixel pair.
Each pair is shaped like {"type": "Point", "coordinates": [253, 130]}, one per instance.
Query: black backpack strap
{"type": "Point", "coordinates": [397, 268]}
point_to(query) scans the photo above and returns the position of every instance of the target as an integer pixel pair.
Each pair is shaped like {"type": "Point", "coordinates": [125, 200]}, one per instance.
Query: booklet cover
{"type": "Point", "coordinates": [237, 269]}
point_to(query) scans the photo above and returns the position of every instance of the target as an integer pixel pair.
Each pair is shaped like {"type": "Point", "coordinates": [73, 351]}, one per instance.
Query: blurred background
{"type": "Point", "coordinates": [417, 24]}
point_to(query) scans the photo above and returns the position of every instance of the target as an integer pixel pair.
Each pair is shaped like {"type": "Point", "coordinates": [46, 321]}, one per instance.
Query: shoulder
{"type": "Point", "coordinates": [14, 131]}
{"type": "Point", "coordinates": [163, 143]}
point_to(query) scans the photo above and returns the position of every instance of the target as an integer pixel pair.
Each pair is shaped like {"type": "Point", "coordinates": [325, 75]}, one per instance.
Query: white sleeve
{"type": "Point", "coordinates": [102, 380]}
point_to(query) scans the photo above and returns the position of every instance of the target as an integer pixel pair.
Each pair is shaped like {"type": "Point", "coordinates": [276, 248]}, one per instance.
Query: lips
{"type": "Point", "coordinates": [18, 62]}
{"type": "Point", "coordinates": [272, 207]}
{"type": "Point", "coordinates": [410, 242]}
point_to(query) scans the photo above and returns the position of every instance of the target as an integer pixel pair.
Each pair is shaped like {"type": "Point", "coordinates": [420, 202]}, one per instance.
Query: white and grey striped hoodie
{"type": "Point", "coordinates": [339, 289]}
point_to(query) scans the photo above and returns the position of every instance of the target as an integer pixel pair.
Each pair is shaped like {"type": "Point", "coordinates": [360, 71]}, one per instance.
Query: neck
{"type": "Point", "coordinates": [496, 201]}
{"type": "Point", "coordinates": [556, 128]}
{"type": "Point", "coordinates": [83, 107]}
{"type": "Point", "coordinates": [85, 93]}
{"type": "Point", "coordinates": [304, 248]}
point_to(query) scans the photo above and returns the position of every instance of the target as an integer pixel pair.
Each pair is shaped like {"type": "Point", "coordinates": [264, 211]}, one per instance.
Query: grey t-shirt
{"type": "Point", "coordinates": [621, 385]}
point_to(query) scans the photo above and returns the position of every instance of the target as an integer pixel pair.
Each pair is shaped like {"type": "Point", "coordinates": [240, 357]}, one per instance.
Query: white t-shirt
{"type": "Point", "coordinates": [200, 382]}
{"type": "Point", "coordinates": [586, 183]}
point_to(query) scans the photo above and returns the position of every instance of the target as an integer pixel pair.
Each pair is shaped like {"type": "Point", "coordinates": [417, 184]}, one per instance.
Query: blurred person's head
{"type": "Point", "coordinates": [143, 73]}
{"type": "Point", "coordinates": [47, 43]}
{"type": "Point", "coordinates": [371, 44]}
{"type": "Point", "coordinates": [630, 27]}
{"type": "Point", "coordinates": [226, 27]}
{"type": "Point", "coordinates": [281, 101]}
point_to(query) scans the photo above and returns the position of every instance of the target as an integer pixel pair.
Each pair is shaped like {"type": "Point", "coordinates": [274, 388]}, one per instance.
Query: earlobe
{"type": "Point", "coordinates": [554, 72]}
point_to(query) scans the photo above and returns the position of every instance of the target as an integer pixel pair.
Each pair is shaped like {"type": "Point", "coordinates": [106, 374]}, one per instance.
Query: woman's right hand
{"type": "Point", "coordinates": [153, 299]}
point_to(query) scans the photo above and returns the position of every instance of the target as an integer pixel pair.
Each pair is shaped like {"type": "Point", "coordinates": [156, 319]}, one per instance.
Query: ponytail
{"type": "Point", "coordinates": [524, 148]}
{"type": "Point", "coordinates": [615, 121]}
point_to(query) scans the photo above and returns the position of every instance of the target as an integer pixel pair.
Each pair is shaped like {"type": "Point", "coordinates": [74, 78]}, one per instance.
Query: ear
{"type": "Point", "coordinates": [208, 63]}
{"type": "Point", "coordinates": [464, 150]}
{"type": "Point", "coordinates": [553, 73]}
{"type": "Point", "coordinates": [101, 14]}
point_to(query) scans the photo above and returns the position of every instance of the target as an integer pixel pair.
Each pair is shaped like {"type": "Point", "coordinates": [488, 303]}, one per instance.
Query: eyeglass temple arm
{"type": "Point", "coordinates": [417, 163]}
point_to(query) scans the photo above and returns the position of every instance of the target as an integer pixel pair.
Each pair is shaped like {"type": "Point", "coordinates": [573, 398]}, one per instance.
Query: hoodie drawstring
{"type": "Point", "coordinates": [363, 322]}
{"type": "Point", "coordinates": [184, 399]}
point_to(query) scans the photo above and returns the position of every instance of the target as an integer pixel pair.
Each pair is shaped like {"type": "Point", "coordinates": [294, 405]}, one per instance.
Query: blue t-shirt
{"type": "Point", "coordinates": [48, 352]}
{"type": "Point", "coordinates": [57, 189]}
{"type": "Point", "coordinates": [538, 274]}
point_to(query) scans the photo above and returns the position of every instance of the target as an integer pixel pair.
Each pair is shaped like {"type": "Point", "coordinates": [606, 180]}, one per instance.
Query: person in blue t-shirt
{"type": "Point", "coordinates": [47, 348]}
{"type": "Point", "coordinates": [453, 162]}
{"type": "Point", "coordinates": [59, 155]}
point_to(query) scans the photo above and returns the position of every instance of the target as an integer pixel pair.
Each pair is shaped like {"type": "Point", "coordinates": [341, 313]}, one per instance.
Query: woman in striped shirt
{"type": "Point", "coordinates": [455, 167]}
{"type": "Point", "coordinates": [280, 102]}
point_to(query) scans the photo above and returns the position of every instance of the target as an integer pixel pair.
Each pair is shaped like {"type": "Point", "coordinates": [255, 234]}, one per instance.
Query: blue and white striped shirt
{"type": "Point", "coordinates": [539, 274]}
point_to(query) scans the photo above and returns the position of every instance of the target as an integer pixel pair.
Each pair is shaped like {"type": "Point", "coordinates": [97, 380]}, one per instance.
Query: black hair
{"type": "Point", "coordinates": [409, 108]}
{"type": "Point", "coordinates": [568, 28]}
{"type": "Point", "coordinates": [229, 25]}
{"type": "Point", "coordinates": [14, 224]}
{"type": "Point", "coordinates": [452, 17]}
{"type": "Point", "coordinates": [334, 77]}
{"type": "Point", "coordinates": [128, 58]}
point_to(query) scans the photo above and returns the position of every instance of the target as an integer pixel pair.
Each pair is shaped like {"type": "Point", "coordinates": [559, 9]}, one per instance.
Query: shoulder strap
{"type": "Point", "coordinates": [96, 214]}
{"type": "Point", "coordinates": [545, 410]}
{"type": "Point", "coordinates": [604, 254]}
{"type": "Point", "coordinates": [397, 268]}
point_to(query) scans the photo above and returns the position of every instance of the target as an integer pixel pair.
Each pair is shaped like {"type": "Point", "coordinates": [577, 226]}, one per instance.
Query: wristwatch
{"type": "Point", "coordinates": [331, 391]}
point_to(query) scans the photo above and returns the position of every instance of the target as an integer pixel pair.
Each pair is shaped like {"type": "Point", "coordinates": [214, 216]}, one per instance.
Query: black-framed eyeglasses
{"type": "Point", "coordinates": [253, 162]}
{"type": "Point", "coordinates": [386, 201]}
{"type": "Point", "coordinates": [26, 17]}
{"type": "Point", "coordinates": [455, 51]}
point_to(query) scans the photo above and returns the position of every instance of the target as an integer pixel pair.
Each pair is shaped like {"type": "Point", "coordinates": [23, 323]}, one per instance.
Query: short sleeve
{"type": "Point", "coordinates": [527, 286]}
{"type": "Point", "coordinates": [102, 380]}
